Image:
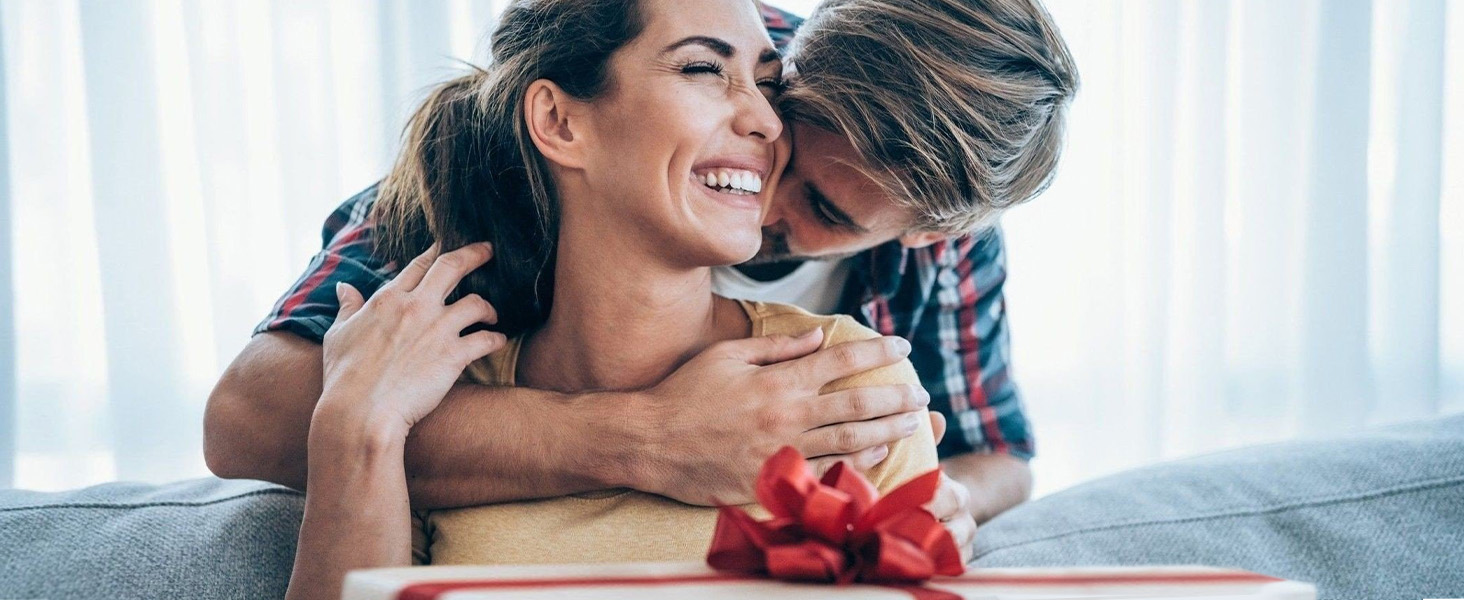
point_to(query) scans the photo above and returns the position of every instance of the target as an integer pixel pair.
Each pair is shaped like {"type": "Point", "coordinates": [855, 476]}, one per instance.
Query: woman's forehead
{"type": "Point", "coordinates": [738, 22]}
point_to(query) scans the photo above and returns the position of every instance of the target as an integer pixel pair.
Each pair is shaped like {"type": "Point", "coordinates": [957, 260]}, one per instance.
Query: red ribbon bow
{"type": "Point", "coordinates": [836, 529]}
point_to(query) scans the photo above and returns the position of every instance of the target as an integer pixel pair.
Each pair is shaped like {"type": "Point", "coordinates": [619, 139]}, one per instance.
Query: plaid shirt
{"type": "Point", "coordinates": [946, 299]}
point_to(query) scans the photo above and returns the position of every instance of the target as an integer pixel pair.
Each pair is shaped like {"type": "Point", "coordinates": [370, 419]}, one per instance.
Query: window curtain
{"type": "Point", "coordinates": [1255, 234]}
{"type": "Point", "coordinates": [1257, 231]}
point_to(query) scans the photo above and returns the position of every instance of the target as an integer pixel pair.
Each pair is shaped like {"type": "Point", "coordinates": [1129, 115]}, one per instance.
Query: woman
{"type": "Point", "coordinates": [613, 153]}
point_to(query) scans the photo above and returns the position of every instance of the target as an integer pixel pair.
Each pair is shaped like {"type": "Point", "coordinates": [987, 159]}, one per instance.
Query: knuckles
{"type": "Point", "coordinates": [846, 356]}
{"type": "Point", "coordinates": [847, 440]}
{"type": "Point", "coordinates": [770, 420]}
{"type": "Point", "coordinates": [860, 402]}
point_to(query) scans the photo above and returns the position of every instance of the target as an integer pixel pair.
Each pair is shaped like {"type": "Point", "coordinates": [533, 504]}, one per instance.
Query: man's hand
{"type": "Point", "coordinates": [712, 423]}
{"type": "Point", "coordinates": [952, 503]}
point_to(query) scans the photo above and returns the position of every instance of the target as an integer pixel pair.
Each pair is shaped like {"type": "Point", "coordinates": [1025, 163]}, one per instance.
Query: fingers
{"type": "Point", "coordinates": [848, 359]}
{"type": "Point", "coordinates": [449, 269]}
{"type": "Point", "coordinates": [350, 300]}
{"type": "Point", "coordinates": [863, 460]}
{"type": "Point", "coordinates": [952, 506]}
{"type": "Point", "coordinates": [963, 532]}
{"type": "Point", "coordinates": [408, 279]}
{"type": "Point", "coordinates": [849, 438]}
{"type": "Point", "coordinates": [951, 499]}
{"type": "Point", "coordinates": [772, 349]}
{"type": "Point", "coordinates": [470, 310]}
{"type": "Point", "coordinates": [863, 404]}
{"type": "Point", "coordinates": [478, 344]}
{"type": "Point", "coordinates": [937, 424]}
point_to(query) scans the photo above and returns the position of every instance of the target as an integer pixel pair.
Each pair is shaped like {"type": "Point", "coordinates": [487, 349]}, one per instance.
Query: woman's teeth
{"type": "Point", "coordinates": [732, 180]}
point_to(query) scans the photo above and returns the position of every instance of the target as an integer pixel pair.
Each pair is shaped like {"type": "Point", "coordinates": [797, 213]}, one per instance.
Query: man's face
{"type": "Point", "coordinates": [826, 209]}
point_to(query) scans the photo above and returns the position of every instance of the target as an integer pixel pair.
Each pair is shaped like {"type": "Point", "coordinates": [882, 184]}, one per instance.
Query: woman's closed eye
{"type": "Point", "coordinates": [703, 67]}
{"type": "Point", "coordinates": [772, 86]}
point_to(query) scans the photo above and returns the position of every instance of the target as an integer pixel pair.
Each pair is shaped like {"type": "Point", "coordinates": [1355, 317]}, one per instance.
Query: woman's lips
{"type": "Point", "coordinates": [736, 198]}
{"type": "Point", "coordinates": [730, 180]}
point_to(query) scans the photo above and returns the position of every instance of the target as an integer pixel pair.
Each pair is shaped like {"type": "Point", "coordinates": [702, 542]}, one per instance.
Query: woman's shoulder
{"type": "Point", "coordinates": [774, 318]}
{"type": "Point", "coordinates": [771, 318]}
{"type": "Point", "coordinates": [497, 368]}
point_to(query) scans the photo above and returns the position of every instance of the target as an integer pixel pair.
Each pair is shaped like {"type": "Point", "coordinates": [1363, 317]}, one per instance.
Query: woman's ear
{"type": "Point", "coordinates": [553, 121]}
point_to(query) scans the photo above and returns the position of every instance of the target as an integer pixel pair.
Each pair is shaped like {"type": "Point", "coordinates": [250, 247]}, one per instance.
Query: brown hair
{"type": "Point", "coordinates": [957, 106]}
{"type": "Point", "coordinates": [468, 170]}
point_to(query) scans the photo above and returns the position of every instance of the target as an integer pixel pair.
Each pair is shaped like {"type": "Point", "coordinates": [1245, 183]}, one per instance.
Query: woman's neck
{"type": "Point", "coordinates": [622, 320]}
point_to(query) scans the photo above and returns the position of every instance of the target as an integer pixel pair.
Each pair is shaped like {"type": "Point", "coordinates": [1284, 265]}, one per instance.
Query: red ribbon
{"type": "Point", "coordinates": [836, 529]}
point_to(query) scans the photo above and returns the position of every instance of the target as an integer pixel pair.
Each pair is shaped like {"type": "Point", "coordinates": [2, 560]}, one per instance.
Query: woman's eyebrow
{"type": "Point", "coordinates": [721, 47]}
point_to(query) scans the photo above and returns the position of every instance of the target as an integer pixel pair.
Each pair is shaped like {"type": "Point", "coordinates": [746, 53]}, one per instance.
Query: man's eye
{"type": "Point", "coordinates": [771, 87]}
{"type": "Point", "coordinates": [821, 214]}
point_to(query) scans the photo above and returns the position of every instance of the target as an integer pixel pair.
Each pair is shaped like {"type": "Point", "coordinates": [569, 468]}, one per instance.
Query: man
{"type": "Point", "coordinates": [909, 138]}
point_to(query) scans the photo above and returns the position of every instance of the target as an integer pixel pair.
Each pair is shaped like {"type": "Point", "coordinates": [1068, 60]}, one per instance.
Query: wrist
{"type": "Point", "coordinates": [624, 440]}
{"type": "Point", "coordinates": [337, 427]}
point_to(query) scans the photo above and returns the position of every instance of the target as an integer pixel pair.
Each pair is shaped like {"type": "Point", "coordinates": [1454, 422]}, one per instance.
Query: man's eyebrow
{"type": "Point", "coordinates": [834, 213]}
{"type": "Point", "coordinates": [769, 55]}
{"type": "Point", "coordinates": [721, 47]}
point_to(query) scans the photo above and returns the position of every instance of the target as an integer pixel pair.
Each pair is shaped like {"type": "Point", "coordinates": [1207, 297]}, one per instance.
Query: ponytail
{"type": "Point", "coordinates": [460, 180]}
{"type": "Point", "coordinates": [468, 170]}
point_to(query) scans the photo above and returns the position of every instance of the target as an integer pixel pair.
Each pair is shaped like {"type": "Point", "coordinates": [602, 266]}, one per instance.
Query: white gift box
{"type": "Point", "coordinates": [695, 580]}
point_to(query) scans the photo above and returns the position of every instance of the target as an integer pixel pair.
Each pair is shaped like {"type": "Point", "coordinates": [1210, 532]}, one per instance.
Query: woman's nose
{"type": "Point", "coordinates": [756, 117]}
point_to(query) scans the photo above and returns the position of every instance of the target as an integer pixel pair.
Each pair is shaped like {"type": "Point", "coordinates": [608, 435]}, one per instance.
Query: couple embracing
{"type": "Point", "coordinates": [597, 273]}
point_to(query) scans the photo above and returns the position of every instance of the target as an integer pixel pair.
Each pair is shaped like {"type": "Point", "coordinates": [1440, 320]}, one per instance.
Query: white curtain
{"type": "Point", "coordinates": [1257, 232]}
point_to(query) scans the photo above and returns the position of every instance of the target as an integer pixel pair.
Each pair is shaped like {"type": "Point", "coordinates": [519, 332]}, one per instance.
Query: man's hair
{"type": "Point", "coordinates": [956, 106]}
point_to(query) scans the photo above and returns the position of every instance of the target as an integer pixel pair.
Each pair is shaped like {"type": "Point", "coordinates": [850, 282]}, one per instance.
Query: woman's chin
{"type": "Point", "coordinates": [721, 248]}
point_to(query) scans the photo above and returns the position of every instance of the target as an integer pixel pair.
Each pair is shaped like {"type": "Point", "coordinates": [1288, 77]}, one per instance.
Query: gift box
{"type": "Point", "coordinates": [696, 580]}
{"type": "Point", "coordinates": [828, 536]}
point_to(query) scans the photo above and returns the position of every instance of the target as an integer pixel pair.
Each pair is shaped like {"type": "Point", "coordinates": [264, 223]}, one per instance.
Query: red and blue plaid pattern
{"type": "Point", "coordinates": [946, 299]}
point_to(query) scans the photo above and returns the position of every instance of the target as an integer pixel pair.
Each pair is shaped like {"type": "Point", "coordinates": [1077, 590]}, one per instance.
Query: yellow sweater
{"type": "Point", "coordinates": [625, 525]}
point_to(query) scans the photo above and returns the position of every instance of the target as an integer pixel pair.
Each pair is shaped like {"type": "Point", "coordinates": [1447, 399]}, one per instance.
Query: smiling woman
{"type": "Point", "coordinates": [612, 154]}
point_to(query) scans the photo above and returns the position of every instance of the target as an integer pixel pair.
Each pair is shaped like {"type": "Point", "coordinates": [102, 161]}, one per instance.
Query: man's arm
{"type": "Point", "coordinates": [700, 436]}
{"type": "Point", "coordinates": [997, 482]}
{"type": "Point", "coordinates": [257, 426]}
{"type": "Point", "coordinates": [989, 438]}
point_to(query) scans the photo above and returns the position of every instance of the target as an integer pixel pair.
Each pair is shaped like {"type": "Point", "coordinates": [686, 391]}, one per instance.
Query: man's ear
{"type": "Point", "coordinates": [553, 120]}
{"type": "Point", "coordinates": [921, 239]}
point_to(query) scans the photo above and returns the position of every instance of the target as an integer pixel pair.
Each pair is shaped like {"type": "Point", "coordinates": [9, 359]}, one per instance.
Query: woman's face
{"type": "Point", "coordinates": [681, 161]}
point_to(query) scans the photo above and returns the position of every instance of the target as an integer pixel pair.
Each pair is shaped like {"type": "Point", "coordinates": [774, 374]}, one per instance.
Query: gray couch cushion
{"type": "Point", "coordinates": [1376, 515]}
{"type": "Point", "coordinates": [199, 539]}
{"type": "Point", "coordinates": [1379, 515]}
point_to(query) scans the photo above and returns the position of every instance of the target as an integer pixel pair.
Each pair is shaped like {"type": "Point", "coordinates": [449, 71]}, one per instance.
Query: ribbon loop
{"type": "Point", "coordinates": [835, 529]}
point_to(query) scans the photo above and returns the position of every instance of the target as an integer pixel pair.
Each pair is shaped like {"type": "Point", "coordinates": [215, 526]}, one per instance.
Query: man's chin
{"type": "Point", "coordinates": [768, 258]}
{"type": "Point", "coordinates": [765, 257]}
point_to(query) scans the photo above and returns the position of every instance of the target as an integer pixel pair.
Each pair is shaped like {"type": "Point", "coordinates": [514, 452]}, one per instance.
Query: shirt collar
{"type": "Point", "coordinates": [883, 267]}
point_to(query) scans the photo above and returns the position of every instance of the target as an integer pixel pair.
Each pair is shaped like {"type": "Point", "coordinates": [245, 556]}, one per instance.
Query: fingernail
{"type": "Point", "coordinates": [810, 333]}
{"type": "Point", "coordinates": [912, 423]}
{"type": "Point", "coordinates": [340, 285]}
{"type": "Point", "coordinates": [902, 346]}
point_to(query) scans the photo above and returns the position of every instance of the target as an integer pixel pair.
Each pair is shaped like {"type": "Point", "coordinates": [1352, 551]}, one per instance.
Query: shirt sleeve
{"type": "Point", "coordinates": [421, 538]}
{"type": "Point", "coordinates": [909, 457]}
{"type": "Point", "coordinates": [309, 307]}
{"type": "Point", "coordinates": [964, 331]}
